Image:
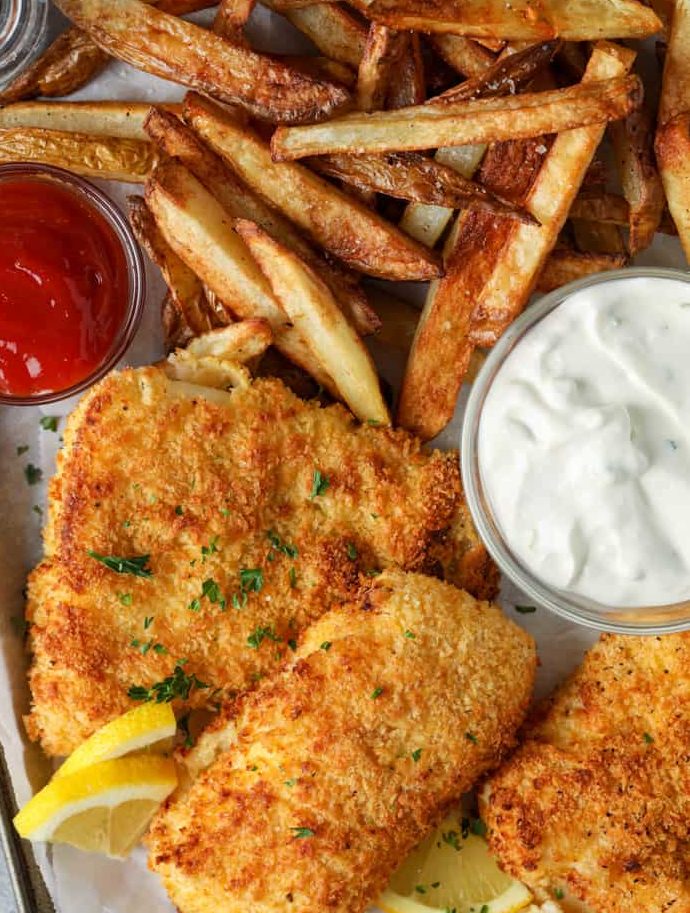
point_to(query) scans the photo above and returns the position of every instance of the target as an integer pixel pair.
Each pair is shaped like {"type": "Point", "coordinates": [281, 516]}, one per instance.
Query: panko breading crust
{"type": "Point", "coordinates": [596, 802]}
{"type": "Point", "coordinates": [154, 467]}
{"type": "Point", "coordinates": [328, 775]}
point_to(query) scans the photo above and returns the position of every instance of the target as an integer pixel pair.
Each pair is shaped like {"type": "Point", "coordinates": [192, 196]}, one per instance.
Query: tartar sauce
{"type": "Point", "coordinates": [584, 444]}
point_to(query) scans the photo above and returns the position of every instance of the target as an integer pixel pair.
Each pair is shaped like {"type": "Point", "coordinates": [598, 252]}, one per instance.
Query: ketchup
{"type": "Point", "coordinates": [64, 287]}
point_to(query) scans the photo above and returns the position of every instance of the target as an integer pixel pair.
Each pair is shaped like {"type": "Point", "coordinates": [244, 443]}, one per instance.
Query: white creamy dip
{"type": "Point", "coordinates": [584, 444]}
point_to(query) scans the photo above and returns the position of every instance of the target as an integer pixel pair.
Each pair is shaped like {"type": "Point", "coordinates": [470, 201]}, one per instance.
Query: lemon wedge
{"type": "Point", "coordinates": [148, 727]}
{"type": "Point", "coordinates": [104, 808]}
{"type": "Point", "coordinates": [452, 872]}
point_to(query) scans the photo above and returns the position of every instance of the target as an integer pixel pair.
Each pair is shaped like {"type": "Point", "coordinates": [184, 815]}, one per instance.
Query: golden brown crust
{"type": "Point", "coordinates": [595, 801]}
{"type": "Point", "coordinates": [136, 451]}
{"type": "Point", "coordinates": [328, 745]}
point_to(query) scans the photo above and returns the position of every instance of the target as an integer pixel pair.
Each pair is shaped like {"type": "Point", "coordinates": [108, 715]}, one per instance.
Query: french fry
{"type": "Point", "coordinates": [241, 342]}
{"type": "Point", "coordinates": [312, 310]}
{"type": "Point", "coordinates": [107, 157]}
{"type": "Point", "coordinates": [608, 208]}
{"type": "Point", "coordinates": [185, 291]}
{"type": "Point", "coordinates": [464, 55]}
{"type": "Point", "coordinates": [231, 18]}
{"type": "Point", "coordinates": [672, 143]}
{"type": "Point", "coordinates": [71, 61]}
{"type": "Point", "coordinates": [493, 265]}
{"type": "Point", "coordinates": [206, 371]}
{"type": "Point", "coordinates": [598, 237]}
{"type": "Point", "coordinates": [409, 85]}
{"type": "Point", "coordinates": [335, 32]}
{"type": "Point", "coordinates": [382, 56]}
{"type": "Point", "coordinates": [410, 176]}
{"type": "Point", "coordinates": [633, 144]}
{"type": "Point", "coordinates": [176, 330]}
{"type": "Point", "coordinates": [322, 68]}
{"type": "Point", "coordinates": [124, 119]}
{"type": "Point", "coordinates": [178, 141]}
{"type": "Point", "coordinates": [573, 20]}
{"type": "Point", "coordinates": [199, 230]}
{"type": "Point", "coordinates": [183, 52]}
{"type": "Point", "coordinates": [464, 122]}
{"type": "Point", "coordinates": [341, 225]}
{"type": "Point", "coordinates": [564, 266]}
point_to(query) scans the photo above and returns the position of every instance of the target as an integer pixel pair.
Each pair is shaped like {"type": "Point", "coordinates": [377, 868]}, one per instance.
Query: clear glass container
{"type": "Point", "coordinates": [97, 200]}
{"type": "Point", "coordinates": [23, 35]}
{"type": "Point", "coordinates": [664, 619]}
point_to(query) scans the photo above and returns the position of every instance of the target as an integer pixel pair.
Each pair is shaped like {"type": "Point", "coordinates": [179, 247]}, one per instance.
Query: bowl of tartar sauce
{"type": "Point", "coordinates": [576, 451]}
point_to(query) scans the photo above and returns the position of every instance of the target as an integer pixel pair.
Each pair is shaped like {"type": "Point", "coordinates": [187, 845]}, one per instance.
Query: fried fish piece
{"type": "Point", "coordinates": [254, 511]}
{"type": "Point", "coordinates": [323, 779]}
{"type": "Point", "coordinates": [594, 805]}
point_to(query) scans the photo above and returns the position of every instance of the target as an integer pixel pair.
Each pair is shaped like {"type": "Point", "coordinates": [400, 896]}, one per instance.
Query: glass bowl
{"type": "Point", "coordinates": [629, 620]}
{"type": "Point", "coordinates": [97, 200]}
{"type": "Point", "coordinates": [23, 34]}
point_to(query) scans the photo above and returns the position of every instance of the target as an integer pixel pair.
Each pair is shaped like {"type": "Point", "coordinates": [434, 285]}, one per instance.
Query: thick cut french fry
{"type": "Point", "coordinates": [409, 86]}
{"type": "Point", "coordinates": [673, 155]}
{"type": "Point", "coordinates": [493, 265]}
{"type": "Point", "coordinates": [462, 54]}
{"type": "Point", "coordinates": [464, 122]}
{"type": "Point", "coordinates": [183, 52]}
{"type": "Point", "coordinates": [341, 225]}
{"type": "Point", "coordinates": [598, 237]}
{"type": "Point", "coordinates": [313, 311]}
{"type": "Point", "coordinates": [335, 32]}
{"type": "Point", "coordinates": [199, 230]}
{"type": "Point", "coordinates": [176, 330]}
{"type": "Point", "coordinates": [379, 64]}
{"type": "Point", "coordinates": [231, 18]}
{"type": "Point", "coordinates": [185, 291]}
{"type": "Point", "coordinates": [633, 144]}
{"type": "Point", "coordinates": [99, 118]}
{"type": "Point", "coordinates": [178, 141]}
{"type": "Point", "coordinates": [573, 20]}
{"type": "Point", "coordinates": [564, 266]}
{"type": "Point", "coordinates": [107, 157]}
{"type": "Point", "coordinates": [71, 61]}
{"type": "Point", "coordinates": [240, 342]}
{"type": "Point", "coordinates": [607, 208]}
{"type": "Point", "coordinates": [675, 88]}
{"type": "Point", "coordinates": [411, 176]}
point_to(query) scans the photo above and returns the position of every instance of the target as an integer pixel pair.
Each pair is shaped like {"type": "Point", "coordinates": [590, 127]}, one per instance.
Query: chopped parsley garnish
{"type": "Point", "coordinates": [177, 685]}
{"type": "Point", "coordinates": [33, 474]}
{"type": "Point", "coordinates": [319, 485]}
{"type": "Point", "coordinates": [302, 832]}
{"type": "Point", "coordinates": [37, 509]}
{"type": "Point", "coordinates": [484, 908]}
{"type": "Point", "coordinates": [148, 621]}
{"type": "Point", "coordinates": [260, 634]}
{"type": "Point", "coordinates": [648, 738]}
{"type": "Point", "coordinates": [179, 510]}
{"type": "Point", "coordinates": [352, 552]}
{"type": "Point", "coordinates": [212, 591]}
{"type": "Point", "coordinates": [210, 549]}
{"type": "Point", "coordinates": [473, 826]}
{"type": "Point", "coordinates": [435, 884]}
{"type": "Point", "coordinates": [292, 644]}
{"type": "Point", "coordinates": [145, 646]}
{"type": "Point", "coordinates": [125, 598]}
{"type": "Point", "coordinates": [525, 609]}
{"type": "Point", "coordinates": [22, 448]}
{"type": "Point", "coordinates": [373, 421]}
{"type": "Point", "coordinates": [183, 726]}
{"type": "Point", "coordinates": [224, 512]}
{"type": "Point", "coordinates": [291, 782]}
{"type": "Point", "coordinates": [49, 422]}
{"type": "Point", "coordinates": [293, 578]}
{"type": "Point", "coordinates": [251, 579]}
{"type": "Point", "coordinates": [416, 755]}
{"type": "Point", "coordinates": [558, 893]}
{"type": "Point", "coordinates": [326, 645]}
{"type": "Point", "coordinates": [377, 692]}
{"type": "Point", "coordinates": [276, 543]}
{"type": "Point", "coordinates": [471, 737]}
{"type": "Point", "coordinates": [136, 565]}
{"type": "Point", "coordinates": [452, 838]}
{"type": "Point", "coordinates": [194, 605]}
{"type": "Point", "coordinates": [420, 889]}
{"type": "Point", "coordinates": [410, 635]}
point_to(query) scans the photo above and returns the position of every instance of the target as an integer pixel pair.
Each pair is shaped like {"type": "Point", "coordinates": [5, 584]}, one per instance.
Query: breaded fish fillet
{"type": "Point", "coordinates": [596, 803]}
{"type": "Point", "coordinates": [341, 763]}
{"type": "Point", "coordinates": [258, 512]}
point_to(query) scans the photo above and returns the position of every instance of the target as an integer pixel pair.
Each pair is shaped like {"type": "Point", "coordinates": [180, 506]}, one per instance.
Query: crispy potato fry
{"type": "Point", "coordinates": [410, 176]}
{"type": "Point", "coordinates": [492, 266]}
{"type": "Point", "coordinates": [675, 88]}
{"type": "Point", "coordinates": [107, 157]}
{"type": "Point", "coordinates": [409, 85]}
{"type": "Point", "coordinates": [341, 225]}
{"type": "Point", "coordinates": [673, 155]}
{"type": "Point", "coordinates": [464, 55]}
{"type": "Point", "coordinates": [322, 68]}
{"type": "Point", "coordinates": [379, 64]}
{"type": "Point", "coordinates": [312, 310]}
{"type": "Point", "coordinates": [633, 144]}
{"type": "Point", "coordinates": [573, 20]}
{"type": "Point", "coordinates": [185, 291]}
{"type": "Point", "coordinates": [206, 370]}
{"type": "Point", "coordinates": [99, 118]}
{"type": "Point", "coordinates": [462, 123]}
{"type": "Point", "coordinates": [598, 237]}
{"type": "Point", "coordinates": [231, 18]}
{"type": "Point", "coordinates": [335, 32]}
{"type": "Point", "coordinates": [199, 230]}
{"type": "Point", "coordinates": [564, 266]}
{"type": "Point", "coordinates": [240, 342]}
{"type": "Point", "coordinates": [176, 330]}
{"type": "Point", "coordinates": [601, 207]}
{"type": "Point", "coordinates": [183, 52]}
{"type": "Point", "coordinates": [178, 141]}
{"type": "Point", "coordinates": [71, 61]}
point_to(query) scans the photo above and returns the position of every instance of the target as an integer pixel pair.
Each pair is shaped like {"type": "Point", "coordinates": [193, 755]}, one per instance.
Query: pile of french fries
{"type": "Point", "coordinates": [459, 142]}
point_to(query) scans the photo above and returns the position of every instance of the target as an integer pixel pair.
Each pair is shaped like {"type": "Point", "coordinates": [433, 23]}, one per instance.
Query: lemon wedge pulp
{"type": "Point", "coordinates": [104, 808]}
{"type": "Point", "coordinates": [452, 872]}
{"type": "Point", "coordinates": [148, 727]}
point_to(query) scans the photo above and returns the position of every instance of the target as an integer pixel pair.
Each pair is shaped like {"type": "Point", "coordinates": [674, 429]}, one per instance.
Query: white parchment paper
{"type": "Point", "coordinates": [81, 883]}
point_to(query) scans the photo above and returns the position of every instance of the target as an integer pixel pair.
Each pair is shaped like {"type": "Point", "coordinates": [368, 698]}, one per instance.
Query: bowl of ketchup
{"type": "Point", "coordinates": [71, 284]}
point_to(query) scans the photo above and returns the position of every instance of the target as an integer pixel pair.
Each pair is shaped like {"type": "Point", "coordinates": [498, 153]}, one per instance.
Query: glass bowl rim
{"type": "Point", "coordinates": [571, 607]}
{"type": "Point", "coordinates": [108, 210]}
